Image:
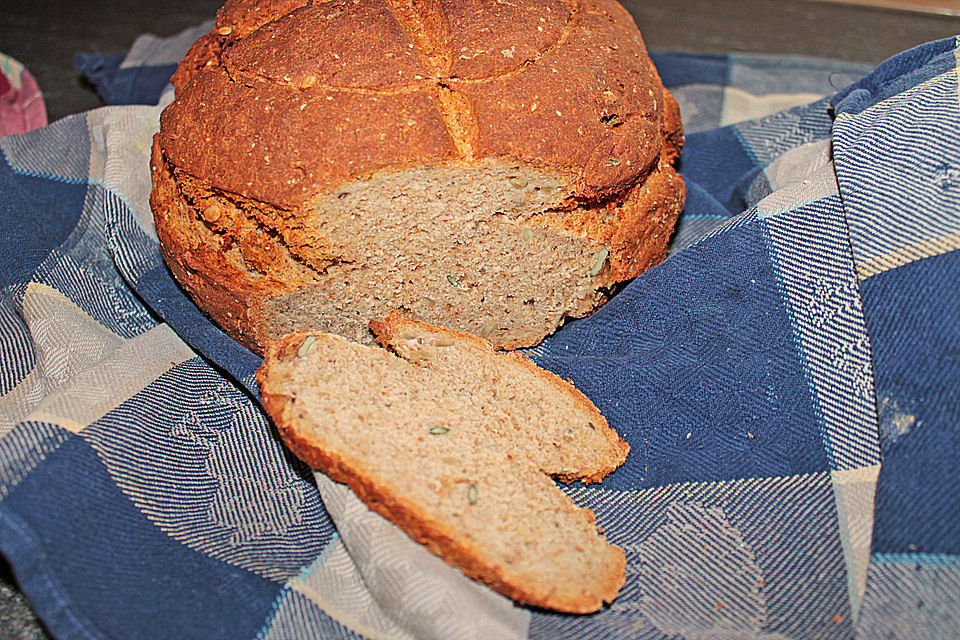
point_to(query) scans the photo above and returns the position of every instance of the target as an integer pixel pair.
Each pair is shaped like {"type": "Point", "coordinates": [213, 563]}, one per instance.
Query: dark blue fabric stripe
{"type": "Point", "coordinates": [207, 463]}
{"type": "Point", "coordinates": [74, 537]}
{"type": "Point", "coordinates": [49, 600]}
{"type": "Point", "coordinates": [36, 215]}
{"type": "Point", "coordinates": [717, 161]}
{"type": "Point", "coordinates": [161, 292]}
{"type": "Point", "coordinates": [695, 366]}
{"type": "Point", "coordinates": [702, 203]}
{"type": "Point", "coordinates": [139, 260]}
{"type": "Point", "coordinates": [913, 315]}
{"type": "Point", "coordinates": [131, 85]}
{"type": "Point", "coordinates": [17, 357]}
{"type": "Point", "coordinates": [678, 69]}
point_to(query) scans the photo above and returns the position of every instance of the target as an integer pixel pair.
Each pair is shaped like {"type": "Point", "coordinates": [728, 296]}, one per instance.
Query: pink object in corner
{"type": "Point", "coordinates": [21, 102]}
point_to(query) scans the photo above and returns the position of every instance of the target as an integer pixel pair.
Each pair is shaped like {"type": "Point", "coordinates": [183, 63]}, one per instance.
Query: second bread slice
{"type": "Point", "coordinates": [456, 443]}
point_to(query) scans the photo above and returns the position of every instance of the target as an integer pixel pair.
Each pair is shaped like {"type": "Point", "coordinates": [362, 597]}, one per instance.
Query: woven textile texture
{"type": "Point", "coordinates": [788, 381]}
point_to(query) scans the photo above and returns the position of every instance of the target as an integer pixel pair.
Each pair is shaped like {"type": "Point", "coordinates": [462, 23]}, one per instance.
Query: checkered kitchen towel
{"type": "Point", "coordinates": [787, 380]}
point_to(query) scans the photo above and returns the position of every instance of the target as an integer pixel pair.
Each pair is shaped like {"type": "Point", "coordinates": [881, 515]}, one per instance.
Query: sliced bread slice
{"type": "Point", "coordinates": [455, 443]}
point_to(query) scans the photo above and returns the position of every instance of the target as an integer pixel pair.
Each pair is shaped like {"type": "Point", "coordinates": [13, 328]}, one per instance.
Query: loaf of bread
{"type": "Point", "coordinates": [456, 443]}
{"type": "Point", "coordinates": [487, 165]}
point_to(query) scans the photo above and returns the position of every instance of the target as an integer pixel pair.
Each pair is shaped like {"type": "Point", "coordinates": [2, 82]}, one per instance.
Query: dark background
{"type": "Point", "coordinates": [44, 35]}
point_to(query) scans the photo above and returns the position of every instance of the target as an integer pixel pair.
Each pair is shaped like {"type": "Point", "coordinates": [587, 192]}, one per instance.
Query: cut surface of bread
{"type": "Point", "coordinates": [495, 167]}
{"type": "Point", "coordinates": [456, 444]}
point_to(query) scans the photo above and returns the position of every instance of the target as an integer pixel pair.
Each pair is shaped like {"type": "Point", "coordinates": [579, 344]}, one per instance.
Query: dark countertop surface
{"type": "Point", "coordinates": [44, 35]}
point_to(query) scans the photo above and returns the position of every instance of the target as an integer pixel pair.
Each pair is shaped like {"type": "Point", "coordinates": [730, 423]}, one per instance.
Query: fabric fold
{"type": "Point", "coordinates": [787, 381]}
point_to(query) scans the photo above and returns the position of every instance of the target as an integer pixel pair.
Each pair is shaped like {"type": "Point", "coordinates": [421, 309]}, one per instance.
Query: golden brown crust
{"type": "Point", "coordinates": [588, 105]}
{"type": "Point", "coordinates": [202, 53]}
{"type": "Point", "coordinates": [238, 18]}
{"type": "Point", "coordinates": [282, 144]}
{"type": "Point", "coordinates": [328, 46]}
{"type": "Point", "coordinates": [567, 86]}
{"type": "Point", "coordinates": [384, 499]}
{"type": "Point", "coordinates": [205, 263]}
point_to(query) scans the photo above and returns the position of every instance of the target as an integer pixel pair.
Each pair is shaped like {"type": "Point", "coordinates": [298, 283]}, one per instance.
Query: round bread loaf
{"type": "Point", "coordinates": [491, 166]}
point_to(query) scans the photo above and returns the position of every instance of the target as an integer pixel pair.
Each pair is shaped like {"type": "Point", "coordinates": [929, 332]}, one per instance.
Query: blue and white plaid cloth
{"type": "Point", "coordinates": [788, 380]}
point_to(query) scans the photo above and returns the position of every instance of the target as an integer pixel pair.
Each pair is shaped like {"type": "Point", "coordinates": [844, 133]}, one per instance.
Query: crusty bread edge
{"type": "Point", "coordinates": [424, 529]}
